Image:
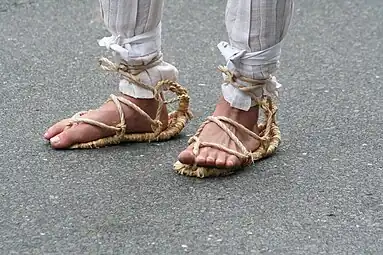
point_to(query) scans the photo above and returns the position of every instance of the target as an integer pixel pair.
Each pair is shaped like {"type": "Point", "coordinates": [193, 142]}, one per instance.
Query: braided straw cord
{"type": "Point", "coordinates": [269, 136]}
{"type": "Point", "coordinates": [177, 119]}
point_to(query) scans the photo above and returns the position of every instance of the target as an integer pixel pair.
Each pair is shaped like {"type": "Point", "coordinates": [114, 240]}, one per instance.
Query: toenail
{"type": "Point", "coordinates": [55, 140]}
{"type": "Point", "coordinates": [46, 135]}
{"type": "Point", "coordinates": [230, 163]}
{"type": "Point", "coordinates": [220, 163]}
{"type": "Point", "coordinates": [200, 159]}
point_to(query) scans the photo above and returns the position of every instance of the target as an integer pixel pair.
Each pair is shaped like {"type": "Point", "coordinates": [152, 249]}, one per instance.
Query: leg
{"type": "Point", "coordinates": [135, 26]}
{"type": "Point", "coordinates": [255, 29]}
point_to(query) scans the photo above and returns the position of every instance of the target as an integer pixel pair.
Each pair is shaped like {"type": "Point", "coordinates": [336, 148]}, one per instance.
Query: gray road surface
{"type": "Point", "coordinates": [320, 194]}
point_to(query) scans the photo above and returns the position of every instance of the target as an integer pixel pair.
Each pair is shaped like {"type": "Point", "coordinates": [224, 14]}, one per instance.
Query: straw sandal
{"type": "Point", "coordinates": [177, 118]}
{"type": "Point", "coordinates": [269, 137]}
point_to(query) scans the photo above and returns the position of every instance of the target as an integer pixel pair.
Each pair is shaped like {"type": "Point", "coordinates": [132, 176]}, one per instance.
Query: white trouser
{"type": "Point", "coordinates": [255, 28]}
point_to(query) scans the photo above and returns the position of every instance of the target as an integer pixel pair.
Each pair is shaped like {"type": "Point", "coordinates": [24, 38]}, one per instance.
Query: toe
{"type": "Point", "coordinates": [56, 129]}
{"type": "Point", "coordinates": [187, 157]}
{"type": "Point", "coordinates": [69, 137]}
{"type": "Point", "coordinates": [201, 158]}
{"type": "Point", "coordinates": [232, 162]}
{"type": "Point", "coordinates": [211, 157]}
{"type": "Point", "coordinates": [221, 159]}
{"type": "Point", "coordinates": [62, 141]}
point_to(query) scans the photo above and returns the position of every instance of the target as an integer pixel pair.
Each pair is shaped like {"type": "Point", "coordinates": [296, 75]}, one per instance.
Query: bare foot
{"type": "Point", "coordinates": [60, 136]}
{"type": "Point", "coordinates": [211, 157]}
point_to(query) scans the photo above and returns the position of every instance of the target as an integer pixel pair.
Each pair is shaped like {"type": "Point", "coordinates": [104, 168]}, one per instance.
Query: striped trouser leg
{"type": "Point", "coordinates": [255, 29]}
{"type": "Point", "coordinates": [135, 26]}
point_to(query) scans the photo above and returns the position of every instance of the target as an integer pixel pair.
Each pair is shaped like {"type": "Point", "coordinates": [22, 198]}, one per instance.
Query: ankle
{"type": "Point", "coordinates": [247, 118]}
{"type": "Point", "coordinates": [149, 78]}
{"type": "Point", "coordinates": [225, 106]}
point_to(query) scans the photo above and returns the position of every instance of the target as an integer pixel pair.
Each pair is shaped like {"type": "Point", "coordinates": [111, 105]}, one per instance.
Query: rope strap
{"type": "Point", "coordinates": [268, 86]}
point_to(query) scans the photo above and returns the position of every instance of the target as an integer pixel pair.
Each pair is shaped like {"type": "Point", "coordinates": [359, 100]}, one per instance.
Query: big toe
{"type": "Point", "coordinates": [187, 157]}
{"type": "Point", "coordinates": [56, 129]}
{"type": "Point", "coordinates": [65, 139]}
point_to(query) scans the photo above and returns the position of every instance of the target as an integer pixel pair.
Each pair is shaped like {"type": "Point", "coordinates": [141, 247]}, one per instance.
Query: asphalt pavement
{"type": "Point", "coordinates": [321, 193]}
